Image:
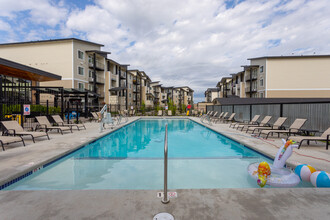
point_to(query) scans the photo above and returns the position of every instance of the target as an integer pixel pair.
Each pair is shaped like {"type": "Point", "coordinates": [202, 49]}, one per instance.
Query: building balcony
{"type": "Point", "coordinates": [249, 89]}
{"type": "Point", "coordinates": [99, 80]}
{"type": "Point", "coordinates": [136, 81]}
{"type": "Point", "coordinates": [98, 65]}
{"type": "Point", "coordinates": [253, 77]}
{"type": "Point", "coordinates": [101, 93]}
{"type": "Point", "coordinates": [122, 75]}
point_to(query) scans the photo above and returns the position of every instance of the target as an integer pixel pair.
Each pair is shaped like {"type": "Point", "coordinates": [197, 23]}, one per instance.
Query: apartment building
{"type": "Point", "coordinates": [280, 77]}
{"type": "Point", "coordinates": [81, 64]}
{"type": "Point", "coordinates": [118, 85]}
{"type": "Point", "coordinates": [146, 93]}
{"type": "Point", "coordinates": [84, 67]}
{"type": "Point", "coordinates": [211, 93]}
{"type": "Point", "coordinates": [156, 91]}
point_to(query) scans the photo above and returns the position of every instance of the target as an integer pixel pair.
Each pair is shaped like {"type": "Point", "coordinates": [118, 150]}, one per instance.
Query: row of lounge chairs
{"type": "Point", "coordinates": [14, 132]}
{"type": "Point", "coordinates": [265, 129]}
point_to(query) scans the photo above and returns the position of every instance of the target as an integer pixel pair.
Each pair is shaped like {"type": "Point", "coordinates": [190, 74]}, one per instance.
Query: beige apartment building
{"type": "Point", "coordinates": [280, 77]}
{"type": "Point", "coordinates": [118, 85]}
{"type": "Point", "coordinates": [81, 64]}
{"type": "Point", "coordinates": [146, 94]}
{"type": "Point", "coordinates": [85, 67]}
{"type": "Point", "coordinates": [211, 93]}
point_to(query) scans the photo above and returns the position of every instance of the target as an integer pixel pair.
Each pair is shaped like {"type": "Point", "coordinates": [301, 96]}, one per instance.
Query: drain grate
{"type": "Point", "coordinates": [163, 216]}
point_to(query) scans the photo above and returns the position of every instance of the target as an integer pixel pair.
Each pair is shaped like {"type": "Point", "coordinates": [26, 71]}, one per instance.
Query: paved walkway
{"type": "Point", "coordinates": [308, 203]}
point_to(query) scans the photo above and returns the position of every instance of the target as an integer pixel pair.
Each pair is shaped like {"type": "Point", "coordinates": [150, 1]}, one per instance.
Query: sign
{"type": "Point", "coordinates": [132, 107]}
{"type": "Point", "coordinates": [26, 109]}
{"type": "Point", "coordinates": [169, 194]}
{"type": "Point", "coordinates": [166, 107]}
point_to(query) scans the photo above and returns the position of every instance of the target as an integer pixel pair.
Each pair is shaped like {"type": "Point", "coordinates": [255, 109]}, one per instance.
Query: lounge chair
{"type": "Point", "coordinates": [276, 126]}
{"type": "Point", "coordinates": [94, 117]}
{"type": "Point", "coordinates": [217, 118]}
{"type": "Point", "coordinates": [45, 124]}
{"type": "Point", "coordinates": [263, 123]}
{"type": "Point", "coordinates": [9, 139]}
{"type": "Point", "coordinates": [324, 137]}
{"type": "Point", "coordinates": [294, 128]}
{"type": "Point", "coordinates": [13, 128]}
{"type": "Point", "coordinates": [169, 112]}
{"type": "Point", "coordinates": [252, 122]}
{"type": "Point", "coordinates": [220, 118]}
{"type": "Point", "coordinates": [160, 113]}
{"type": "Point", "coordinates": [214, 115]}
{"type": "Point", "coordinates": [229, 119]}
{"type": "Point", "coordinates": [60, 122]}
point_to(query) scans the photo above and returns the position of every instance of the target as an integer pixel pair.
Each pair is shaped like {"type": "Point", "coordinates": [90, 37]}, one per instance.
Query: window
{"type": "Point", "coordinates": [261, 95]}
{"type": "Point", "coordinates": [81, 70]}
{"type": "Point", "coordinates": [80, 54]}
{"type": "Point", "coordinates": [261, 82]}
{"type": "Point", "coordinates": [81, 86]}
{"type": "Point", "coordinates": [130, 86]}
{"type": "Point", "coordinates": [130, 95]}
{"type": "Point", "coordinates": [90, 73]}
{"type": "Point", "coordinates": [262, 69]}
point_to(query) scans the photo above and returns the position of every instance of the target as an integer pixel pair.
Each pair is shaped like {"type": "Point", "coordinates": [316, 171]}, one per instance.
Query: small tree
{"type": "Point", "coordinates": [171, 106]}
{"type": "Point", "coordinates": [183, 108]}
{"type": "Point", "coordinates": [143, 108]}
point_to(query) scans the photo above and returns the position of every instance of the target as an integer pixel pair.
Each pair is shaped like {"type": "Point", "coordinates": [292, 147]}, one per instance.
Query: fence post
{"type": "Point", "coordinates": [77, 112]}
{"type": "Point", "coordinates": [22, 115]}
{"type": "Point", "coordinates": [250, 112]}
{"type": "Point", "coordinates": [281, 110]}
{"type": "Point", "coordinates": [47, 109]}
{"type": "Point", "coordinates": [62, 103]}
{"type": "Point", "coordinates": [68, 111]}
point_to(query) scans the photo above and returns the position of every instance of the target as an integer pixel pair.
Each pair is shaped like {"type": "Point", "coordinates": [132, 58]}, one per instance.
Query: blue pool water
{"type": "Point", "coordinates": [132, 158]}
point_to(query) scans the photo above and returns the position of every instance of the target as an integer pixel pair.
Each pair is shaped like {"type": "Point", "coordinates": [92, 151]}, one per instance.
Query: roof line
{"type": "Point", "coordinates": [52, 40]}
{"type": "Point", "coordinates": [293, 56]}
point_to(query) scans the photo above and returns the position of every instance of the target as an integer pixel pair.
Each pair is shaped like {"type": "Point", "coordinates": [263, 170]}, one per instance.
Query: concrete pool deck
{"type": "Point", "coordinates": [298, 203]}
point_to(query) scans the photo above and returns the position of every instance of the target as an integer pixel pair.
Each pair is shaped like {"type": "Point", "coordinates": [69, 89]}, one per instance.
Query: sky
{"type": "Point", "coordinates": [178, 42]}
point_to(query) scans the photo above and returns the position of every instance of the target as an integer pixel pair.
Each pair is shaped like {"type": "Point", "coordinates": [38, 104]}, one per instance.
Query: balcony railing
{"type": "Point", "coordinates": [122, 75]}
{"type": "Point", "coordinates": [253, 77]}
{"type": "Point", "coordinates": [98, 65]}
{"type": "Point", "coordinates": [99, 80]}
{"type": "Point", "coordinates": [253, 89]}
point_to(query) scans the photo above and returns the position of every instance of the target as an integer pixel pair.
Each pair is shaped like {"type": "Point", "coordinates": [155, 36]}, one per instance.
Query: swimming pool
{"type": "Point", "coordinates": [132, 158]}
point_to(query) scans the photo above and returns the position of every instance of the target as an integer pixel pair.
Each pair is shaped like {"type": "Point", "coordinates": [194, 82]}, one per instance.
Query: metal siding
{"type": "Point", "coordinates": [264, 110]}
{"type": "Point", "coordinates": [317, 114]}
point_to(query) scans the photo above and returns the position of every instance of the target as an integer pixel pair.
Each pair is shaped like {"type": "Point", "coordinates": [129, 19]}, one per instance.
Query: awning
{"type": "Point", "coordinates": [13, 69]}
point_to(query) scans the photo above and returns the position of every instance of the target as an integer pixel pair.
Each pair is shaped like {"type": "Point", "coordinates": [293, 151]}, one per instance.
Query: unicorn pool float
{"type": "Point", "coordinates": [276, 175]}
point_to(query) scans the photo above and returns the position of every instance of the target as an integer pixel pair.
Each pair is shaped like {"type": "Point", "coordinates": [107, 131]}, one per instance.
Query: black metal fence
{"type": "Point", "coordinates": [317, 114]}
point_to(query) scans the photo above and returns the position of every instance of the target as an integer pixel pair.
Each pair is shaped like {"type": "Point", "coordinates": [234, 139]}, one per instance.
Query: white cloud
{"type": "Point", "coordinates": [188, 42]}
{"type": "Point", "coordinates": [40, 11]}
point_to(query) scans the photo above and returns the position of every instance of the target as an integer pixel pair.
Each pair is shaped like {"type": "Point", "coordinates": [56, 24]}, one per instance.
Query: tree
{"type": "Point", "coordinates": [143, 108]}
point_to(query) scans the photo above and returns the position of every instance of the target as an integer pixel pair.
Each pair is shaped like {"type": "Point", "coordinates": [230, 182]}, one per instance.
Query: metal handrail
{"type": "Point", "coordinates": [165, 200]}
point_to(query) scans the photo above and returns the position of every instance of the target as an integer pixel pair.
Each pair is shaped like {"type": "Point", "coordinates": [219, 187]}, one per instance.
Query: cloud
{"type": "Point", "coordinates": [189, 42]}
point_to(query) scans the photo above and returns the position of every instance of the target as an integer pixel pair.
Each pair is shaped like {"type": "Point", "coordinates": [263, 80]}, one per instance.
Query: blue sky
{"type": "Point", "coordinates": [188, 42]}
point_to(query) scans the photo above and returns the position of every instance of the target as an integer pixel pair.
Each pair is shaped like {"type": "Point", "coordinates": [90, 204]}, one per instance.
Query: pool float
{"type": "Point", "coordinates": [304, 172]}
{"type": "Point", "coordinates": [275, 175]}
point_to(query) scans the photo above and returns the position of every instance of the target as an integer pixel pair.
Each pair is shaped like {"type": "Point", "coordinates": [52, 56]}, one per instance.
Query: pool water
{"type": "Point", "coordinates": [132, 158]}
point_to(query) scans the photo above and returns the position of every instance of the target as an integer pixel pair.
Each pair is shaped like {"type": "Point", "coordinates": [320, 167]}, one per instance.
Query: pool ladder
{"type": "Point", "coordinates": [165, 200]}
